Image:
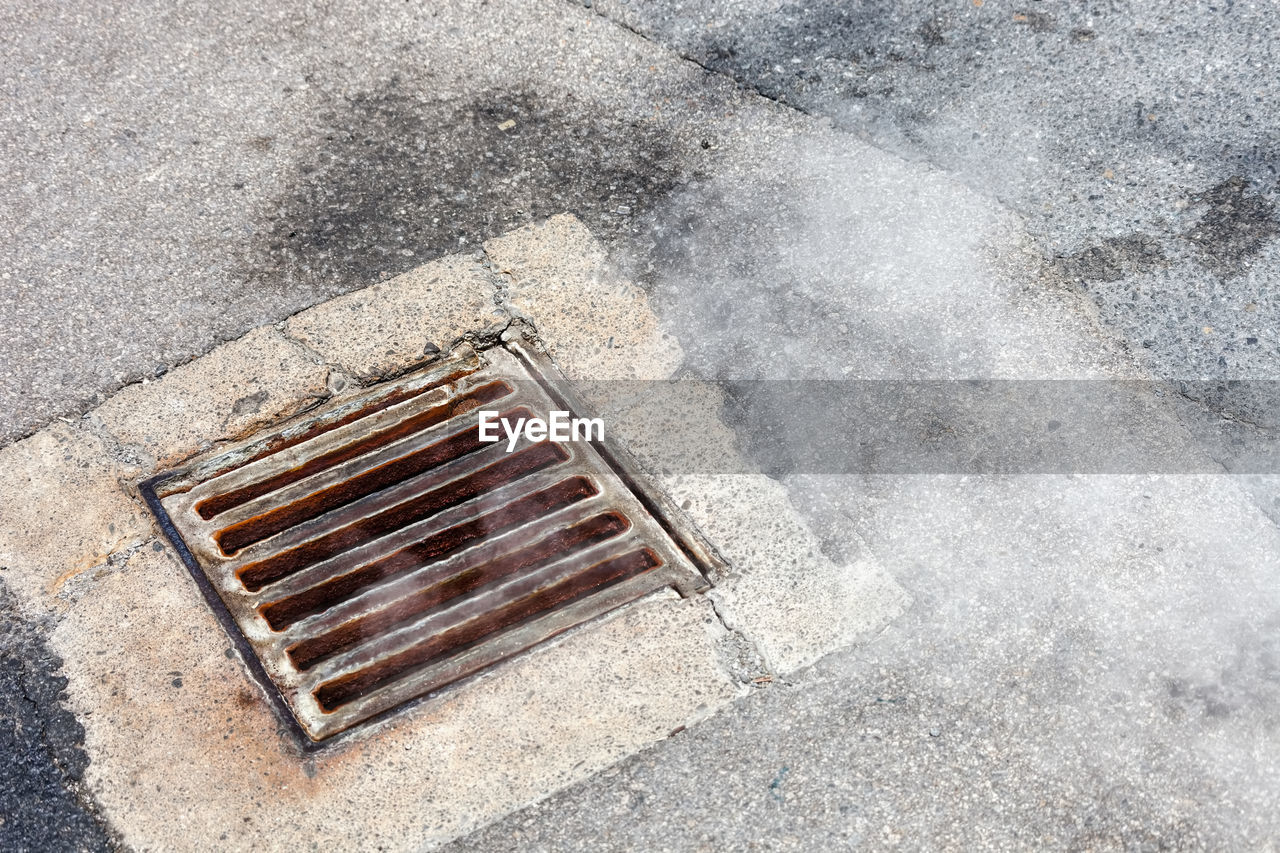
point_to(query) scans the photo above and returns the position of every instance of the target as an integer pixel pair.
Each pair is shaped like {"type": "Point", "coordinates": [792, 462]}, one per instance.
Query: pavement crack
{"type": "Point", "coordinates": [72, 585]}
{"type": "Point", "coordinates": [738, 656]}
{"type": "Point", "coordinates": [116, 450]}
{"type": "Point", "coordinates": [337, 378]}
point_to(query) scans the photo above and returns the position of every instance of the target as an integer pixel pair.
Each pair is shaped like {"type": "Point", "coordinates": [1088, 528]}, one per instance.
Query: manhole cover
{"type": "Point", "coordinates": [374, 551]}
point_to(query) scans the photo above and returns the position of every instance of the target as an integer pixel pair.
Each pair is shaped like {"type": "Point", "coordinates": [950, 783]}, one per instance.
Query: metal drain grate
{"type": "Point", "coordinates": [377, 551]}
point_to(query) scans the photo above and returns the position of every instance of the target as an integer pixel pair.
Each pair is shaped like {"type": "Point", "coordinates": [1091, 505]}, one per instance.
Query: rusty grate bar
{"type": "Point", "coordinates": [376, 551]}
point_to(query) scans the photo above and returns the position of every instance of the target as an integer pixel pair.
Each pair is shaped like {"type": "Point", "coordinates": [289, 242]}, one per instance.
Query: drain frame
{"type": "Point", "coordinates": [518, 343]}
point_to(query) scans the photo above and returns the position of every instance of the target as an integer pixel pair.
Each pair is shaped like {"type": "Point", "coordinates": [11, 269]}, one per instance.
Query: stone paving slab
{"type": "Point", "coordinates": [63, 511]}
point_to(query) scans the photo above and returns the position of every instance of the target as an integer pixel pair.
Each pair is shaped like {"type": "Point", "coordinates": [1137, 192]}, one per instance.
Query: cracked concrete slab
{"type": "Point", "coordinates": [783, 594]}
{"type": "Point", "coordinates": [236, 389]}
{"type": "Point", "coordinates": [64, 510]}
{"type": "Point", "coordinates": [598, 326]}
{"type": "Point", "coordinates": [392, 326]}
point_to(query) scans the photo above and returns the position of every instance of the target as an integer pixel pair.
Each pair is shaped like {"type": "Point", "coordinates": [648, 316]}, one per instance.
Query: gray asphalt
{"type": "Point", "coordinates": [178, 175]}
{"type": "Point", "coordinates": [41, 805]}
{"type": "Point", "coordinates": [1137, 143]}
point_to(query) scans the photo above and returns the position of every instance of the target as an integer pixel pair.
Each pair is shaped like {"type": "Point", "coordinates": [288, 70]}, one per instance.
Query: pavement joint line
{"type": "Point", "coordinates": [83, 412]}
{"type": "Point", "coordinates": [307, 353]}
{"type": "Point", "coordinates": [684, 57]}
{"type": "Point", "coordinates": [421, 320]}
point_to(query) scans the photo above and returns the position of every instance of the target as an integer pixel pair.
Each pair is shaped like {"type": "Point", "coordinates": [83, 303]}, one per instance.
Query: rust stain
{"type": "Point", "coordinates": [91, 561]}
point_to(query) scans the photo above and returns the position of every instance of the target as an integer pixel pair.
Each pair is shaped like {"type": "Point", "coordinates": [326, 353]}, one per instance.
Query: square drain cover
{"type": "Point", "coordinates": [374, 551]}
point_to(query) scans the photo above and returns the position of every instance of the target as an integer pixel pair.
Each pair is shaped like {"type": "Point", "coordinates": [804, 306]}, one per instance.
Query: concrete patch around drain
{"type": "Point", "coordinates": [184, 746]}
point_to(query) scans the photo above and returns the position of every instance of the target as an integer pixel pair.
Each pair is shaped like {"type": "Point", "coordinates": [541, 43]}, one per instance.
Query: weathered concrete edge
{"type": "Point", "coordinates": [127, 448]}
